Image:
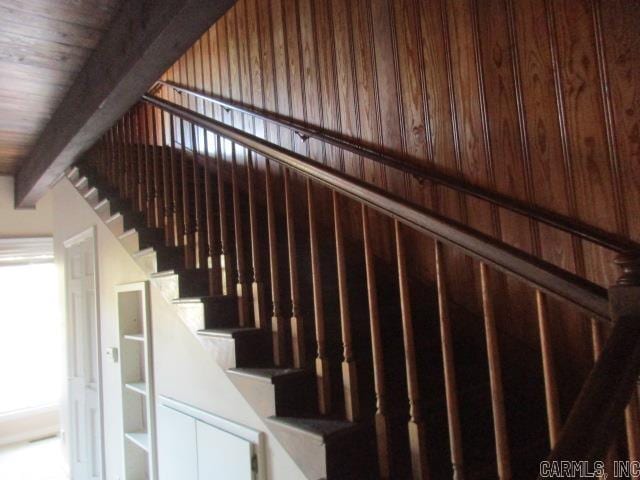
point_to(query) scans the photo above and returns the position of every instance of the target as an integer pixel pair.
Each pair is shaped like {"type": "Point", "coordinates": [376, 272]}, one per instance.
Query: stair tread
{"type": "Point", "coordinates": [127, 233]}
{"type": "Point", "coordinates": [230, 332]}
{"type": "Point", "coordinates": [113, 217]}
{"type": "Point", "coordinates": [209, 298]}
{"type": "Point", "coordinates": [270, 374]}
{"type": "Point", "coordinates": [319, 428]}
{"type": "Point", "coordinates": [179, 271]}
{"type": "Point", "coordinates": [152, 249]}
{"type": "Point", "coordinates": [101, 204]}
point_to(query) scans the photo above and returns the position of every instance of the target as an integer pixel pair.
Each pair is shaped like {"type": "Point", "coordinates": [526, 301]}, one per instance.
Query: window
{"type": "Point", "coordinates": [31, 335]}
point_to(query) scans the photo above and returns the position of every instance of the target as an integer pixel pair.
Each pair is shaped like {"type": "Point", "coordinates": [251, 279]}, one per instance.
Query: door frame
{"type": "Point", "coordinates": [89, 233]}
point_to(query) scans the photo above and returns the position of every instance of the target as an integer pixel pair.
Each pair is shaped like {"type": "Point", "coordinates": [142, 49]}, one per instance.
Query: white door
{"type": "Point", "coordinates": [83, 368]}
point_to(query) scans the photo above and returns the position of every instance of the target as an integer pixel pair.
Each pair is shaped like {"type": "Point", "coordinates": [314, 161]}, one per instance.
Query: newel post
{"type": "Point", "coordinates": [624, 296]}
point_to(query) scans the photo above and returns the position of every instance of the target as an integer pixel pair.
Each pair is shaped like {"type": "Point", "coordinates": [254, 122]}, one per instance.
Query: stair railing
{"type": "Point", "coordinates": [558, 221]}
{"type": "Point", "coordinates": [206, 145]}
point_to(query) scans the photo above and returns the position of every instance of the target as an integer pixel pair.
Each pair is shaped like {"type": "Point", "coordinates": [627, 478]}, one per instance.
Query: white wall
{"type": "Point", "coordinates": [36, 222]}
{"type": "Point", "coordinates": [182, 369]}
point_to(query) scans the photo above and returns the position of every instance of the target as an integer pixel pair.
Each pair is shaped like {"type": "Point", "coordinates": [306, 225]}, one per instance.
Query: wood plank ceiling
{"type": "Point", "coordinates": [43, 45]}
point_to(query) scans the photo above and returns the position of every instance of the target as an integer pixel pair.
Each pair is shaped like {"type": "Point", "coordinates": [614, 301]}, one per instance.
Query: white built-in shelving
{"type": "Point", "coordinates": [136, 372]}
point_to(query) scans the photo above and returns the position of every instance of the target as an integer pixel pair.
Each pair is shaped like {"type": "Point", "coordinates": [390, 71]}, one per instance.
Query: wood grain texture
{"type": "Point", "coordinates": [536, 99]}
{"type": "Point", "coordinates": [143, 39]}
{"type": "Point", "coordinates": [43, 45]}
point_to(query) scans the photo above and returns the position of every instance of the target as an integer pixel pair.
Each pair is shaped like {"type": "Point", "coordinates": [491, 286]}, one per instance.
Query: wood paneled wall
{"type": "Point", "coordinates": [537, 99]}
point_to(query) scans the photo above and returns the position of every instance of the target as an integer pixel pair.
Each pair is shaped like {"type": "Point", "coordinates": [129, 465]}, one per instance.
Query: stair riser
{"type": "Point", "coordinates": [238, 353]}
{"type": "Point", "coordinates": [116, 225]}
{"type": "Point", "coordinates": [92, 196]}
{"type": "Point", "coordinates": [104, 211]}
{"type": "Point", "coordinates": [174, 287]}
{"type": "Point", "coordinates": [131, 243]}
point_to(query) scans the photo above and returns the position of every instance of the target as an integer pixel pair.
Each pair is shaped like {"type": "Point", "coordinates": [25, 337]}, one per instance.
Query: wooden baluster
{"type": "Point", "coordinates": [200, 252]}
{"type": "Point", "coordinates": [225, 250]}
{"type": "Point", "coordinates": [242, 291]}
{"type": "Point", "coordinates": [110, 157]}
{"type": "Point", "coordinates": [448, 361]}
{"type": "Point", "coordinates": [114, 158]}
{"type": "Point", "coordinates": [417, 433]}
{"type": "Point", "coordinates": [550, 386]}
{"type": "Point", "coordinates": [597, 345]}
{"type": "Point", "coordinates": [151, 160]}
{"type": "Point", "coordinates": [132, 160]}
{"type": "Point", "coordinates": [213, 262]}
{"type": "Point", "coordinates": [322, 362]}
{"type": "Point", "coordinates": [125, 158]}
{"type": "Point", "coordinates": [277, 321]}
{"type": "Point", "coordinates": [119, 169]}
{"type": "Point", "coordinates": [297, 328]}
{"type": "Point", "coordinates": [119, 155]}
{"type": "Point", "coordinates": [349, 372]}
{"type": "Point", "coordinates": [121, 161]}
{"type": "Point", "coordinates": [148, 174]}
{"type": "Point", "coordinates": [155, 162]}
{"type": "Point", "coordinates": [257, 288]}
{"type": "Point", "coordinates": [176, 211]}
{"type": "Point", "coordinates": [495, 377]}
{"type": "Point", "coordinates": [166, 185]}
{"type": "Point", "coordinates": [381, 420]}
{"type": "Point", "coordinates": [187, 234]}
{"type": "Point", "coordinates": [142, 199]}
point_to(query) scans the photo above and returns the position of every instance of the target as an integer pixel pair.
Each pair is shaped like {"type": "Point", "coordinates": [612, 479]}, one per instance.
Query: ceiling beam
{"type": "Point", "coordinates": [144, 40]}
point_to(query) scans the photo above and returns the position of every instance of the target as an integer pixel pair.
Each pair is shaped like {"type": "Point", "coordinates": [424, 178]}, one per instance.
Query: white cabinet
{"type": "Point", "coordinates": [221, 455]}
{"type": "Point", "coordinates": [177, 447]}
{"type": "Point", "coordinates": [196, 445]}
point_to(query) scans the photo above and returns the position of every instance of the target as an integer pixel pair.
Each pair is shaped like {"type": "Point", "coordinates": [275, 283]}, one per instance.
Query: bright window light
{"type": "Point", "coordinates": [31, 335]}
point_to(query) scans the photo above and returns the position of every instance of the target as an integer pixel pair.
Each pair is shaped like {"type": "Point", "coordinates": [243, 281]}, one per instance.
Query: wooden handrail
{"type": "Point", "coordinates": [572, 226]}
{"type": "Point", "coordinates": [539, 273]}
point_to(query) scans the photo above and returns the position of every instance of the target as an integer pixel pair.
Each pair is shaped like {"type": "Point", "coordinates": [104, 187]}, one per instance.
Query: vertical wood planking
{"type": "Point", "coordinates": [535, 98]}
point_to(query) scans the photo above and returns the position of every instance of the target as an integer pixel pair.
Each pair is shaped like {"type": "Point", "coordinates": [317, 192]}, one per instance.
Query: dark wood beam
{"type": "Point", "coordinates": [145, 38]}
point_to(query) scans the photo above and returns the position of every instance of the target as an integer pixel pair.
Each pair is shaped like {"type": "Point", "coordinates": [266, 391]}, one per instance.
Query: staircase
{"type": "Point", "coordinates": [347, 358]}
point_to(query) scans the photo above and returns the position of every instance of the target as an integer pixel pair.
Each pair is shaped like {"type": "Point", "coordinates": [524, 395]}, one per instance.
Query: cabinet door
{"type": "Point", "coordinates": [177, 452]}
{"type": "Point", "coordinates": [221, 455]}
